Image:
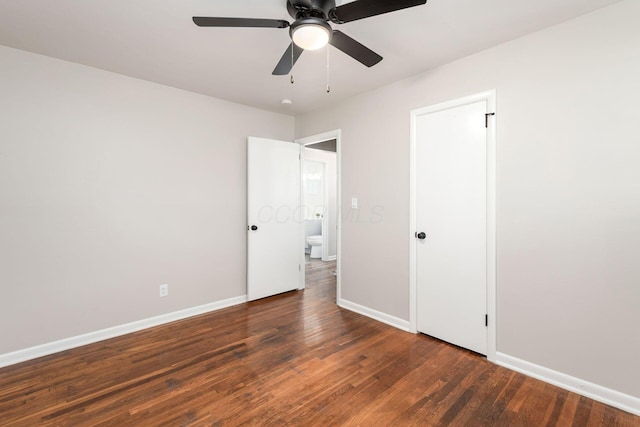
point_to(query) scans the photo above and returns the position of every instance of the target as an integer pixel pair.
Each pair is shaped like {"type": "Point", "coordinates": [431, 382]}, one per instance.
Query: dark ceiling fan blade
{"type": "Point", "coordinates": [357, 51]}
{"type": "Point", "coordinates": [287, 61]}
{"type": "Point", "coordinates": [366, 8]}
{"type": "Point", "coordinates": [205, 21]}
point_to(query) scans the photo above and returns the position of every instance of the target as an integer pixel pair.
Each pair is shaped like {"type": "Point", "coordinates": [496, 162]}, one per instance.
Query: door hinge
{"type": "Point", "coordinates": [299, 267]}
{"type": "Point", "coordinates": [486, 119]}
{"type": "Point", "coordinates": [486, 320]}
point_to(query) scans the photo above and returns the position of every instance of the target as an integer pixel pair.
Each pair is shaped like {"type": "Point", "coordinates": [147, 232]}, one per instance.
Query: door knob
{"type": "Point", "coordinates": [421, 235]}
{"type": "Point", "coordinates": [254, 227]}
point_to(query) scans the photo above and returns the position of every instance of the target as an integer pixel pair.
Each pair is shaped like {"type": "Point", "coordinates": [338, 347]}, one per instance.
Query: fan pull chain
{"type": "Point", "coordinates": [328, 85]}
{"type": "Point", "coordinates": [292, 78]}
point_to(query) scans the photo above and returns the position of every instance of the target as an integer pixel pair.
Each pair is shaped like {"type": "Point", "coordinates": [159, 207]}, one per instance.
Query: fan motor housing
{"type": "Point", "coordinates": [310, 8]}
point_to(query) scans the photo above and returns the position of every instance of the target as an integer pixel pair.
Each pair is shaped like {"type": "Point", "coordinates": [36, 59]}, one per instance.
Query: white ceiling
{"type": "Point", "coordinates": [156, 40]}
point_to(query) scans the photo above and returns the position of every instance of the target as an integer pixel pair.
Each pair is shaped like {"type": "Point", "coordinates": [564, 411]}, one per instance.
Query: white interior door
{"type": "Point", "coordinates": [451, 211]}
{"type": "Point", "coordinates": [274, 217]}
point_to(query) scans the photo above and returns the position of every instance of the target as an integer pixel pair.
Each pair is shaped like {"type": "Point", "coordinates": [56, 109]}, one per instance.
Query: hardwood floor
{"type": "Point", "coordinates": [293, 359]}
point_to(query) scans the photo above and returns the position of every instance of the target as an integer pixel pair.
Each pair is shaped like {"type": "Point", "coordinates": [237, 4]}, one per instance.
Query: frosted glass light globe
{"type": "Point", "coordinates": [310, 36]}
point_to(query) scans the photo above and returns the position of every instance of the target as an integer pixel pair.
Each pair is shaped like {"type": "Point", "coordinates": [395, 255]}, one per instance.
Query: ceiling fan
{"type": "Point", "coordinates": [311, 29]}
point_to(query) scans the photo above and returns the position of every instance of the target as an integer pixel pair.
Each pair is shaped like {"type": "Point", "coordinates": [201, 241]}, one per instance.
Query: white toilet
{"type": "Point", "coordinates": [316, 246]}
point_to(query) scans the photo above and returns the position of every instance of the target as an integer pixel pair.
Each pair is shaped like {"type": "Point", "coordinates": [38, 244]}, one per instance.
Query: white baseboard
{"type": "Point", "coordinates": [331, 258]}
{"type": "Point", "coordinates": [597, 392]}
{"type": "Point", "coordinates": [103, 334]}
{"type": "Point", "coordinates": [376, 315]}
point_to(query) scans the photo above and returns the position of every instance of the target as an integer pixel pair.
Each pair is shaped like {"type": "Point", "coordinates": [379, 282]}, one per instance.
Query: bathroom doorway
{"type": "Point", "coordinates": [320, 200]}
{"type": "Point", "coordinates": [316, 189]}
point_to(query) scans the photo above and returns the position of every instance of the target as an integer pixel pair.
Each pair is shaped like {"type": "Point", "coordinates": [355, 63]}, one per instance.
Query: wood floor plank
{"type": "Point", "coordinates": [293, 359]}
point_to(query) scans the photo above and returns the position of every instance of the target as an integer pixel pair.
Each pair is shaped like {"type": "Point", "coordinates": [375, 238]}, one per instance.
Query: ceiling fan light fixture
{"type": "Point", "coordinates": [310, 33]}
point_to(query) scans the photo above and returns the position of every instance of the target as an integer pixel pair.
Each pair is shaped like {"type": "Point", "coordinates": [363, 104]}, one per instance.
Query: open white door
{"type": "Point", "coordinates": [274, 217]}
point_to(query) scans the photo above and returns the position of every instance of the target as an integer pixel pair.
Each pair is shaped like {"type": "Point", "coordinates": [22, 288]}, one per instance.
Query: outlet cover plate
{"type": "Point", "coordinates": [164, 290]}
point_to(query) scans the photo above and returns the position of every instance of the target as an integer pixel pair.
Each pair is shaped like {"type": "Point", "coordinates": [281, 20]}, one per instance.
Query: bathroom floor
{"type": "Point", "coordinates": [309, 260]}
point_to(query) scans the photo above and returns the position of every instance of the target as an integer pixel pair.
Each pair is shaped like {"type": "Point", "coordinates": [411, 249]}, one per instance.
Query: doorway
{"type": "Point", "coordinates": [452, 252]}
{"type": "Point", "coordinates": [320, 200]}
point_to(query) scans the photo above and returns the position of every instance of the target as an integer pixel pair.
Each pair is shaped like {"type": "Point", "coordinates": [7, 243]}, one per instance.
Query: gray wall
{"type": "Point", "coordinates": [568, 209]}
{"type": "Point", "coordinates": [330, 145]}
{"type": "Point", "coordinates": [109, 187]}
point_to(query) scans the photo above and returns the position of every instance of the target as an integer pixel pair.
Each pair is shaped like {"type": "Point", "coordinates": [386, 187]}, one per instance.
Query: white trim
{"type": "Point", "coordinates": [492, 215]}
{"type": "Point", "coordinates": [490, 97]}
{"type": "Point", "coordinates": [332, 258]}
{"type": "Point", "coordinates": [325, 214]}
{"type": "Point", "coordinates": [413, 275]}
{"type": "Point", "coordinates": [338, 134]}
{"type": "Point", "coordinates": [396, 322]}
{"type": "Point", "coordinates": [302, 269]}
{"type": "Point", "coordinates": [593, 391]}
{"type": "Point", "coordinates": [326, 136]}
{"type": "Point", "coordinates": [115, 331]}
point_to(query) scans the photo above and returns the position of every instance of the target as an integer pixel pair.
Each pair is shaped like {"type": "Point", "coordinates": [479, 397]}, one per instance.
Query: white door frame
{"type": "Point", "coordinates": [326, 136]}
{"type": "Point", "coordinates": [325, 204]}
{"type": "Point", "coordinates": [490, 97]}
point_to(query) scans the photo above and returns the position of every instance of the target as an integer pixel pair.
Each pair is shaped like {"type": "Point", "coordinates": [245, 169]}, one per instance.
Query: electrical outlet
{"type": "Point", "coordinates": [164, 290]}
